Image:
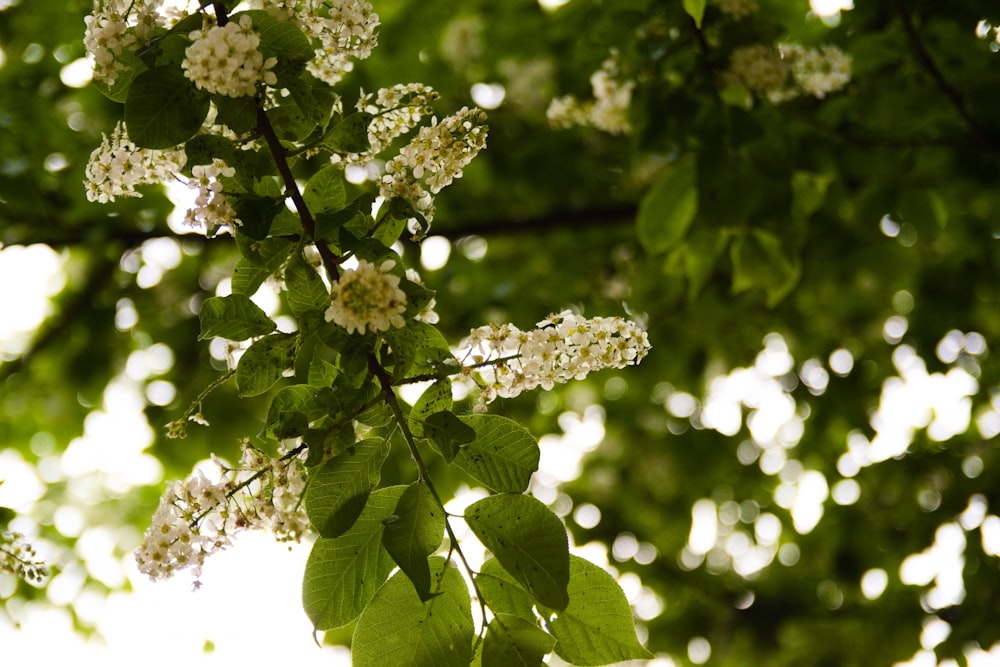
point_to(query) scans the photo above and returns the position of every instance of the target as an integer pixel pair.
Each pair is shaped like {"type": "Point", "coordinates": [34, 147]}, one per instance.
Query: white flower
{"type": "Point", "coordinates": [434, 158]}
{"type": "Point", "coordinates": [225, 60]}
{"type": "Point", "coordinates": [116, 26]}
{"type": "Point", "coordinates": [117, 166]}
{"type": "Point", "coordinates": [198, 517]}
{"type": "Point", "coordinates": [367, 298]}
{"type": "Point", "coordinates": [565, 346]}
{"type": "Point", "coordinates": [608, 111]}
{"type": "Point", "coordinates": [211, 209]}
{"type": "Point", "coordinates": [757, 67]}
{"type": "Point", "coordinates": [818, 71]}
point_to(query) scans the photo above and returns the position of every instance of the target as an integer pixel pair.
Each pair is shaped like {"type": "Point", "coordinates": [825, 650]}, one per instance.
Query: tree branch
{"type": "Point", "coordinates": [949, 91]}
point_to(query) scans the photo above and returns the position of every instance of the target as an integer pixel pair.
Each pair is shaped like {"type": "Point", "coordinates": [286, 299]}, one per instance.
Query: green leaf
{"type": "Point", "coordinates": [350, 135]}
{"type": "Point", "coordinates": [339, 488]}
{"type": "Point", "coordinates": [290, 123]}
{"type": "Point", "coordinates": [670, 206]}
{"type": "Point", "coordinates": [696, 10]}
{"type": "Point", "coordinates": [292, 409]}
{"type": "Point", "coordinates": [321, 372]}
{"type": "Point", "coordinates": [447, 433]}
{"type": "Point", "coordinates": [269, 253]}
{"type": "Point", "coordinates": [413, 533]}
{"type": "Point", "coordinates": [248, 277]}
{"type": "Point", "coordinates": [760, 260]}
{"type": "Point", "coordinates": [239, 114]}
{"type": "Point", "coordinates": [528, 540]}
{"type": "Point", "coordinates": [417, 347]}
{"type": "Point", "coordinates": [597, 627]}
{"type": "Point", "coordinates": [503, 455]}
{"type": "Point", "coordinates": [234, 317]}
{"type": "Point", "coordinates": [118, 92]}
{"type": "Point", "coordinates": [256, 213]}
{"type": "Point", "coordinates": [264, 363]}
{"type": "Point", "coordinates": [502, 592]}
{"type": "Point", "coordinates": [325, 190]}
{"type": "Point", "coordinates": [436, 398]}
{"type": "Point", "coordinates": [305, 290]}
{"type": "Point", "coordinates": [163, 108]}
{"type": "Point", "coordinates": [512, 641]}
{"type": "Point", "coordinates": [343, 573]}
{"type": "Point", "coordinates": [281, 39]}
{"type": "Point", "coordinates": [397, 628]}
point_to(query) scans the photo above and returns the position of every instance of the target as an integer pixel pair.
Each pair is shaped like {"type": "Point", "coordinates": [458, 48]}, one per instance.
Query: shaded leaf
{"type": "Point", "coordinates": [435, 398]}
{"type": "Point", "coordinates": [512, 641]}
{"type": "Point", "coordinates": [668, 209]}
{"type": "Point", "coordinates": [528, 540]}
{"type": "Point", "coordinates": [397, 628]}
{"type": "Point", "coordinates": [234, 317]}
{"type": "Point", "coordinates": [325, 190]}
{"type": "Point", "coordinates": [597, 627]}
{"type": "Point", "coordinates": [502, 592]}
{"type": "Point", "coordinates": [503, 454]}
{"type": "Point", "coordinates": [306, 292]}
{"type": "Point", "coordinates": [339, 488]}
{"type": "Point", "coordinates": [343, 573]}
{"type": "Point", "coordinates": [413, 533]}
{"type": "Point", "coordinates": [264, 363]}
{"type": "Point", "coordinates": [163, 108]}
{"type": "Point", "coordinates": [350, 135]}
{"type": "Point", "coordinates": [447, 433]}
{"type": "Point", "coordinates": [760, 260]}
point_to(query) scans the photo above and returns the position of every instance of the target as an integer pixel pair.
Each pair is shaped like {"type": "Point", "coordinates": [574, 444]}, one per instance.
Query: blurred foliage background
{"type": "Point", "coordinates": [804, 470]}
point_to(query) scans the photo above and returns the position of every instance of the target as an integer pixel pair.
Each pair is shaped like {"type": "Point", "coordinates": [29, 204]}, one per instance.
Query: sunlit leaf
{"type": "Point", "coordinates": [339, 489]}
{"type": "Point", "coordinates": [528, 540]}
{"type": "Point", "coordinates": [234, 317]}
{"type": "Point", "coordinates": [503, 454]}
{"type": "Point", "coordinates": [413, 532]}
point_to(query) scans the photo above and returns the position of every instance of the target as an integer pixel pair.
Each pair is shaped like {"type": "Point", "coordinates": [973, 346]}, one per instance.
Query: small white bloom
{"type": "Point", "coordinates": [225, 60]}
{"type": "Point", "coordinates": [367, 298]}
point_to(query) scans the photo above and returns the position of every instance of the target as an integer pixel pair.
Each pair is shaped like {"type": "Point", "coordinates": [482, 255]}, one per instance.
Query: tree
{"type": "Point", "coordinates": [799, 209]}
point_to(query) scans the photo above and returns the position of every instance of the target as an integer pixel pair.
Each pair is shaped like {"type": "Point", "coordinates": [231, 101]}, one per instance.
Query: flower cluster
{"type": "Point", "coordinates": [565, 346]}
{"type": "Point", "coordinates": [608, 111]}
{"type": "Point", "coordinates": [818, 71]}
{"type": "Point", "coordinates": [117, 166]}
{"type": "Point", "coordinates": [197, 517]}
{"type": "Point", "coordinates": [19, 558]}
{"type": "Point", "coordinates": [367, 297]}
{"type": "Point", "coordinates": [784, 72]}
{"type": "Point", "coordinates": [211, 208]}
{"type": "Point", "coordinates": [397, 110]}
{"type": "Point", "coordinates": [117, 26]}
{"type": "Point", "coordinates": [226, 60]}
{"type": "Point", "coordinates": [434, 158]}
{"type": "Point", "coordinates": [738, 9]}
{"type": "Point", "coordinates": [758, 68]}
{"type": "Point", "coordinates": [340, 29]}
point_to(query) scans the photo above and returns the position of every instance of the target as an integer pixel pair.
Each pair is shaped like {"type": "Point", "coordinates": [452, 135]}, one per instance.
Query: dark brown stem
{"type": "Point", "coordinates": [280, 155]}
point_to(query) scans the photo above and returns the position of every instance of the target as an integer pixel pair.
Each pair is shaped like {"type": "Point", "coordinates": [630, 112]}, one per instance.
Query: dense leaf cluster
{"type": "Point", "coordinates": [723, 216]}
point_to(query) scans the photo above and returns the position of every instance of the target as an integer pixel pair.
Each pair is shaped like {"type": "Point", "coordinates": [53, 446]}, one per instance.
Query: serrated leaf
{"type": "Point", "coordinates": [502, 456]}
{"type": "Point", "coordinates": [668, 209]}
{"type": "Point", "coordinates": [234, 317]}
{"type": "Point", "coordinates": [597, 627]}
{"type": "Point", "coordinates": [292, 409]}
{"type": "Point", "coordinates": [447, 433]}
{"type": "Point", "coordinates": [435, 398]}
{"type": "Point", "coordinates": [269, 253]}
{"type": "Point", "coordinates": [350, 135]}
{"type": "Point", "coordinates": [502, 592]}
{"type": "Point", "coordinates": [264, 363]}
{"type": "Point", "coordinates": [290, 123]}
{"type": "Point", "coordinates": [415, 346]}
{"type": "Point", "coordinates": [163, 108]}
{"type": "Point", "coordinates": [338, 490]}
{"type": "Point", "coordinates": [696, 10]}
{"type": "Point", "coordinates": [305, 290]}
{"type": "Point", "coordinates": [413, 533]}
{"type": "Point", "coordinates": [512, 641]}
{"type": "Point", "coordinates": [321, 372]}
{"type": "Point", "coordinates": [325, 190]}
{"type": "Point", "coordinates": [248, 277]}
{"type": "Point", "coordinates": [397, 628]}
{"type": "Point", "coordinates": [528, 540]}
{"type": "Point", "coordinates": [343, 573]}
